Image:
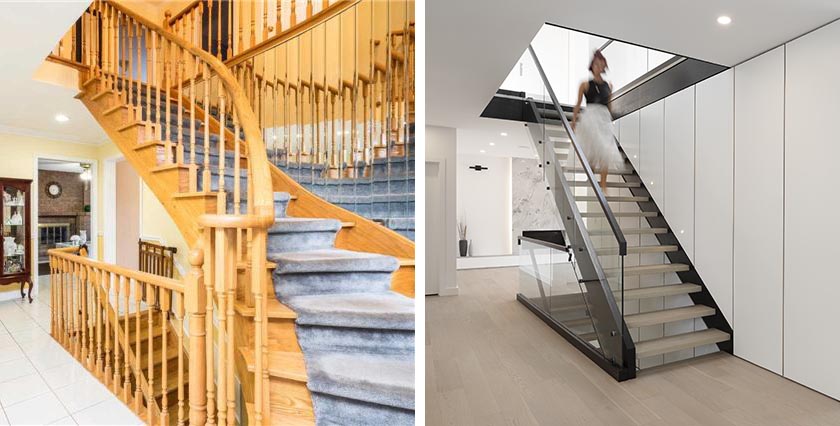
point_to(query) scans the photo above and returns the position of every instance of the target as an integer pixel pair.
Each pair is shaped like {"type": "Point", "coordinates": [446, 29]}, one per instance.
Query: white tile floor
{"type": "Point", "coordinates": [40, 383]}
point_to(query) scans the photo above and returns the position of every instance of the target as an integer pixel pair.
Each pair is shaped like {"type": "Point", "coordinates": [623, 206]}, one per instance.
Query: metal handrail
{"type": "Point", "coordinates": [599, 194]}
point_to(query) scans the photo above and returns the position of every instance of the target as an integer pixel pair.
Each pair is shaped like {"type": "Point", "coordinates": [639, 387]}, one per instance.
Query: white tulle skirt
{"type": "Point", "coordinates": [595, 135]}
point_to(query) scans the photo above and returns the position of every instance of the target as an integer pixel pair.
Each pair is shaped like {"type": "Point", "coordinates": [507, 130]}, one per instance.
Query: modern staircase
{"type": "Point", "coordinates": [634, 279]}
{"type": "Point", "coordinates": [307, 306]}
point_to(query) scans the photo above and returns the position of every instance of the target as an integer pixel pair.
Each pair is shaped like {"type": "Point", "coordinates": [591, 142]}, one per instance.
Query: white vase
{"type": "Point", "coordinates": [9, 246]}
{"type": "Point", "coordinates": [17, 219]}
{"type": "Point", "coordinates": [83, 236]}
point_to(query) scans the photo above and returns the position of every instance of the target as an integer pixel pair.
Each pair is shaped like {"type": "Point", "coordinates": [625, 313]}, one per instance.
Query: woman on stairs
{"type": "Point", "coordinates": [595, 133]}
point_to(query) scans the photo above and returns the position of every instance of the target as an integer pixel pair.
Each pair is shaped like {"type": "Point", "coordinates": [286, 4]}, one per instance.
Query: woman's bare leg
{"type": "Point", "coordinates": [604, 181]}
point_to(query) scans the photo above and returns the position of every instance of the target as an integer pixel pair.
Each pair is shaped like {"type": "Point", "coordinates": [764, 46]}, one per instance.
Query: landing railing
{"type": "Point", "coordinates": [580, 303]}
{"type": "Point", "coordinates": [171, 89]}
{"type": "Point", "coordinates": [105, 315]}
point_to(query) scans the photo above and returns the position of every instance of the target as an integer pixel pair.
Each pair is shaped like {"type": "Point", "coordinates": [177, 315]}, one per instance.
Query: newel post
{"type": "Point", "coordinates": [195, 300]}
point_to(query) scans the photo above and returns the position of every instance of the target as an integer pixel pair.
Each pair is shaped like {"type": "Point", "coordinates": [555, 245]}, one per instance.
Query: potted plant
{"type": "Point", "coordinates": [462, 238]}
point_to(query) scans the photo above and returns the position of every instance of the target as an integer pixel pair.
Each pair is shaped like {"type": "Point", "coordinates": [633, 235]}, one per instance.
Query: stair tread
{"type": "Point", "coordinates": [579, 169]}
{"type": "Point", "coordinates": [384, 311]}
{"type": "Point", "coordinates": [615, 198]}
{"type": "Point", "coordinates": [680, 341]}
{"type": "Point", "coordinates": [638, 249]}
{"type": "Point", "coordinates": [586, 183]}
{"type": "Point", "coordinates": [286, 365]}
{"type": "Point", "coordinates": [284, 225]}
{"type": "Point", "coordinates": [650, 269]}
{"type": "Point", "coordinates": [658, 291]}
{"type": "Point", "coordinates": [667, 315]}
{"type": "Point", "coordinates": [375, 378]}
{"type": "Point", "coordinates": [332, 260]}
{"type": "Point", "coordinates": [600, 213]}
{"type": "Point", "coordinates": [274, 309]}
{"type": "Point", "coordinates": [629, 231]}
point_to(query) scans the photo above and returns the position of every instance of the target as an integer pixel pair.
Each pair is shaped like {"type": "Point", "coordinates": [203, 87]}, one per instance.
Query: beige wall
{"type": "Point", "coordinates": [157, 225]}
{"type": "Point", "coordinates": [128, 215]}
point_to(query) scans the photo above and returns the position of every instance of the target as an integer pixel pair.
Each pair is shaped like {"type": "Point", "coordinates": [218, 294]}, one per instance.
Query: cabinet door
{"type": "Point", "coordinates": [15, 222]}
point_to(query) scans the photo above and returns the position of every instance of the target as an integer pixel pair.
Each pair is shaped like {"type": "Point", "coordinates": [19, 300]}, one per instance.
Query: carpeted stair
{"type": "Point", "coordinates": [357, 336]}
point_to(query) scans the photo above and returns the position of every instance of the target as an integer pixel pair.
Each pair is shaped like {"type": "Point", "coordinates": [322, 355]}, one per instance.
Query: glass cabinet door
{"type": "Point", "coordinates": [14, 230]}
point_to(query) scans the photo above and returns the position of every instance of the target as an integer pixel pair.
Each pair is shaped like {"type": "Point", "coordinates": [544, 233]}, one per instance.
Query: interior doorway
{"type": "Point", "coordinates": [64, 195]}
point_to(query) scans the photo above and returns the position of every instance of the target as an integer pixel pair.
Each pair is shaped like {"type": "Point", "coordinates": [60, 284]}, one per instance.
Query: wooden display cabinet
{"type": "Point", "coordinates": [16, 233]}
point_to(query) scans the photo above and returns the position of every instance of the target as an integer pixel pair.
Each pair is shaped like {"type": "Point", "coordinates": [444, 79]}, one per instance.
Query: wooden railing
{"type": "Point", "coordinates": [156, 259]}
{"type": "Point", "coordinates": [339, 92]}
{"type": "Point", "coordinates": [167, 87]}
{"type": "Point", "coordinates": [101, 313]}
{"type": "Point", "coordinates": [229, 28]}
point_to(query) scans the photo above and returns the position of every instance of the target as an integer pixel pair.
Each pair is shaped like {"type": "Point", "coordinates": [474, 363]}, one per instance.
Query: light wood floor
{"type": "Point", "coordinates": [490, 361]}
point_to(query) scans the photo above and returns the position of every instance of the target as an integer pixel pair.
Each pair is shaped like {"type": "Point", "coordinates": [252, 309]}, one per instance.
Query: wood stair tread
{"type": "Point", "coordinates": [286, 365]}
{"type": "Point", "coordinates": [658, 291]}
{"type": "Point", "coordinates": [586, 183]}
{"type": "Point", "coordinates": [614, 198]}
{"type": "Point", "coordinates": [185, 195]}
{"type": "Point", "coordinates": [171, 385]}
{"type": "Point", "coordinates": [579, 169]}
{"type": "Point", "coordinates": [630, 231]}
{"type": "Point", "coordinates": [620, 214]}
{"type": "Point", "coordinates": [638, 250]}
{"type": "Point", "coordinates": [680, 341]}
{"type": "Point", "coordinates": [650, 269]}
{"type": "Point", "coordinates": [667, 315]}
{"type": "Point", "coordinates": [404, 261]}
{"type": "Point", "coordinates": [275, 309]}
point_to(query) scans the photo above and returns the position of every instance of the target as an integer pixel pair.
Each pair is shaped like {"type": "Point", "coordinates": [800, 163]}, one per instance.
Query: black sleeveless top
{"type": "Point", "coordinates": [598, 93]}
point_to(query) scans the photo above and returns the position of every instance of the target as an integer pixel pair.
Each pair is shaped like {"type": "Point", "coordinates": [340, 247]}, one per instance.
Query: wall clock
{"type": "Point", "coordinates": [53, 189]}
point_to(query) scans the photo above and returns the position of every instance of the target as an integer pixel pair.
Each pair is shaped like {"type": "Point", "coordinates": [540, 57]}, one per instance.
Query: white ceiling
{"type": "Point", "coordinates": [517, 143]}
{"type": "Point", "coordinates": [28, 32]}
{"type": "Point", "coordinates": [471, 45]}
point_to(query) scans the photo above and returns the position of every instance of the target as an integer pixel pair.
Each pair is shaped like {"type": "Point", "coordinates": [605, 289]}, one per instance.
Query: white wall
{"type": "Point", "coordinates": [678, 206]}
{"type": "Point", "coordinates": [441, 145]}
{"type": "Point", "coordinates": [759, 215]}
{"type": "Point", "coordinates": [713, 187]}
{"type": "Point", "coordinates": [484, 203]}
{"type": "Point", "coordinates": [811, 234]}
{"type": "Point", "coordinates": [652, 151]}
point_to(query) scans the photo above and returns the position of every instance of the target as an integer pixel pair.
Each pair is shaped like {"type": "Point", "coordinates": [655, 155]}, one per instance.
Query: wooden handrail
{"type": "Point", "coordinates": [156, 280]}
{"type": "Point", "coordinates": [259, 170]}
{"type": "Point", "coordinates": [187, 9]}
{"type": "Point", "coordinates": [322, 16]}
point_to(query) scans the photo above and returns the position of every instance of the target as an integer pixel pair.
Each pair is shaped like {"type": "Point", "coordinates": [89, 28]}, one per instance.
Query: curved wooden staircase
{"type": "Point", "coordinates": [161, 100]}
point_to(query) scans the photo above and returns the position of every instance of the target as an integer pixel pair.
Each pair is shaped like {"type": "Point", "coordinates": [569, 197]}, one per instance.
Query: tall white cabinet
{"type": "Point", "coordinates": [812, 234]}
{"type": "Point", "coordinates": [759, 209]}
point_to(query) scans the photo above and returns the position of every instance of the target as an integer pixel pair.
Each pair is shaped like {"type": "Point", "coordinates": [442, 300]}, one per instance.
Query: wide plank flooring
{"type": "Point", "coordinates": [490, 361]}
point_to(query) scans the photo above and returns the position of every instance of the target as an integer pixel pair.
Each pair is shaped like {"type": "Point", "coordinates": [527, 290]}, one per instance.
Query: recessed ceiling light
{"type": "Point", "coordinates": [503, 133]}
{"type": "Point", "coordinates": [724, 20]}
{"type": "Point", "coordinates": [482, 151]}
{"type": "Point", "coordinates": [492, 143]}
{"type": "Point", "coordinates": [61, 118]}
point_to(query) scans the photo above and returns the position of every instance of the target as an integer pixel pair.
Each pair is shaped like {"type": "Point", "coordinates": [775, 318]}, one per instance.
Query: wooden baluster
{"type": "Point", "coordinates": [126, 345]}
{"type": "Point", "coordinates": [219, 31]}
{"type": "Point", "coordinates": [219, 284]}
{"type": "Point", "coordinates": [123, 62]}
{"type": "Point", "coordinates": [253, 15]}
{"type": "Point", "coordinates": [230, 31]}
{"type": "Point", "coordinates": [195, 298]}
{"type": "Point", "coordinates": [99, 326]}
{"type": "Point", "coordinates": [230, 290]}
{"type": "Point", "coordinates": [222, 125]}
{"type": "Point", "coordinates": [260, 359]}
{"type": "Point", "coordinates": [206, 171]}
{"type": "Point", "coordinates": [237, 194]}
{"type": "Point", "coordinates": [209, 25]}
{"type": "Point", "coordinates": [129, 284]}
{"type": "Point", "coordinates": [132, 66]}
{"type": "Point", "coordinates": [83, 312]}
{"type": "Point", "coordinates": [210, 277]}
{"type": "Point", "coordinates": [239, 46]}
{"type": "Point", "coordinates": [266, 29]}
{"type": "Point", "coordinates": [165, 306]}
{"type": "Point", "coordinates": [116, 384]}
{"type": "Point", "coordinates": [150, 63]}
{"type": "Point", "coordinates": [151, 302]}
{"type": "Point", "coordinates": [179, 76]}
{"type": "Point", "coordinates": [179, 320]}
{"type": "Point", "coordinates": [164, 110]}
{"type": "Point", "coordinates": [154, 78]}
{"type": "Point", "coordinates": [193, 128]}
{"type": "Point", "coordinates": [292, 15]}
{"type": "Point", "coordinates": [279, 27]}
{"type": "Point", "coordinates": [106, 308]}
{"type": "Point", "coordinates": [308, 9]}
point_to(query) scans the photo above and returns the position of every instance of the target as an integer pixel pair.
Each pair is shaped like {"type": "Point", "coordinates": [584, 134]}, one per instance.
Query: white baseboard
{"type": "Point", "coordinates": [479, 262]}
{"type": "Point", "coordinates": [450, 291]}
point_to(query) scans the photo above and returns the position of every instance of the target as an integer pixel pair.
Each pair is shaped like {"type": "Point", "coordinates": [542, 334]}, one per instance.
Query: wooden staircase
{"type": "Point", "coordinates": [162, 102]}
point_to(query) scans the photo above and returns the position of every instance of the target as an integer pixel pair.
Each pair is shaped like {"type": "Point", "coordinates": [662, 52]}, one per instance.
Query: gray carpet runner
{"type": "Point", "coordinates": [357, 335]}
